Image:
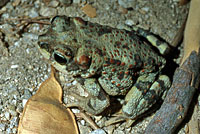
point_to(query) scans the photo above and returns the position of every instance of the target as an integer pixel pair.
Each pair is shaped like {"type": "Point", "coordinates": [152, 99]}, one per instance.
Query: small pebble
{"type": "Point", "coordinates": [98, 118]}
{"type": "Point", "coordinates": [82, 122]}
{"type": "Point", "coordinates": [119, 132]}
{"type": "Point", "coordinates": [146, 9]}
{"type": "Point", "coordinates": [48, 11]}
{"type": "Point", "coordinates": [122, 10]}
{"type": "Point", "coordinates": [66, 2]}
{"type": "Point", "coordinates": [14, 66]}
{"type": "Point", "coordinates": [62, 78]}
{"type": "Point", "coordinates": [33, 13]}
{"type": "Point", "coordinates": [7, 115]}
{"type": "Point", "coordinates": [15, 121]}
{"type": "Point", "coordinates": [13, 113]}
{"type": "Point", "coordinates": [53, 3]}
{"type": "Point", "coordinates": [75, 110]}
{"type": "Point", "coordinates": [125, 3]}
{"type": "Point", "coordinates": [76, 1]}
{"type": "Point", "coordinates": [8, 130]}
{"type": "Point", "coordinates": [65, 100]}
{"type": "Point", "coordinates": [74, 82]}
{"type": "Point", "coordinates": [24, 102]}
{"type": "Point", "coordinates": [129, 22]}
{"type": "Point", "coordinates": [14, 130]}
{"type": "Point", "coordinates": [19, 109]}
{"type": "Point", "coordinates": [110, 129]}
{"type": "Point", "coordinates": [2, 127]}
{"type": "Point", "coordinates": [27, 94]}
{"type": "Point", "coordinates": [68, 84]}
{"type": "Point", "coordinates": [98, 131]}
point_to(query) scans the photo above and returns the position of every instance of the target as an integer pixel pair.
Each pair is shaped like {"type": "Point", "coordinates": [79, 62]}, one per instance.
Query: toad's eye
{"type": "Point", "coordinates": [62, 57]}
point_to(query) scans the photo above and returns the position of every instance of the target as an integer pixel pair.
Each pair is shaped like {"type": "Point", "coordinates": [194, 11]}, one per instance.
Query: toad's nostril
{"type": "Point", "coordinates": [43, 45]}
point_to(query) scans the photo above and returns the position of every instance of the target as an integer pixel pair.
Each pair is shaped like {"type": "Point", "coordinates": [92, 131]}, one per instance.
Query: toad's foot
{"type": "Point", "coordinates": [114, 120]}
{"type": "Point", "coordinates": [119, 118]}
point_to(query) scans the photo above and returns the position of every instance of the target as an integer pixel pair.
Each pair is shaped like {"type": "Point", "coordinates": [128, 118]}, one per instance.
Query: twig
{"type": "Point", "coordinates": [27, 21]}
{"type": "Point", "coordinates": [179, 35]}
{"type": "Point", "coordinates": [33, 21]}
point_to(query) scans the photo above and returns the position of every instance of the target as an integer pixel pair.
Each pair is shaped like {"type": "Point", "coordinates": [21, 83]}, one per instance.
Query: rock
{"type": "Point", "coordinates": [129, 22]}
{"type": "Point", "coordinates": [2, 127]}
{"type": "Point", "coordinates": [3, 2]}
{"type": "Point", "coordinates": [48, 11]}
{"type": "Point", "coordinates": [14, 121]}
{"type": "Point", "coordinates": [66, 2]}
{"type": "Point", "coordinates": [33, 13]}
{"type": "Point", "coordinates": [119, 132]}
{"type": "Point", "coordinates": [125, 3]}
{"type": "Point", "coordinates": [7, 115]}
{"type": "Point", "coordinates": [14, 130]}
{"type": "Point", "coordinates": [82, 122]}
{"type": "Point", "coordinates": [24, 102]}
{"type": "Point", "coordinates": [75, 110]}
{"type": "Point", "coordinates": [98, 131]}
{"type": "Point", "coordinates": [146, 9]}
{"type": "Point", "coordinates": [76, 1]}
{"type": "Point", "coordinates": [27, 94]}
{"type": "Point", "coordinates": [14, 66]}
{"type": "Point", "coordinates": [53, 3]}
{"type": "Point", "coordinates": [8, 131]}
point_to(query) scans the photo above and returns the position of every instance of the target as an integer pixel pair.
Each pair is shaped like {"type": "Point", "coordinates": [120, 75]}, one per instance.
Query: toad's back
{"type": "Point", "coordinates": [124, 46]}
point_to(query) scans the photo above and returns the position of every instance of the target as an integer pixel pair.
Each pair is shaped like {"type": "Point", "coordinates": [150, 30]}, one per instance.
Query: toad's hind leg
{"type": "Point", "coordinates": [144, 94]}
{"type": "Point", "coordinates": [162, 46]}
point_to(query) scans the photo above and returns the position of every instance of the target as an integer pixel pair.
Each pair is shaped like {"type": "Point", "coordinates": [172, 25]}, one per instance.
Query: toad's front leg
{"type": "Point", "coordinates": [97, 100]}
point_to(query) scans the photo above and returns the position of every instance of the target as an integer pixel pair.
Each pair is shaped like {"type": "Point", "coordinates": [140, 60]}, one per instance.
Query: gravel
{"type": "Point", "coordinates": [23, 69]}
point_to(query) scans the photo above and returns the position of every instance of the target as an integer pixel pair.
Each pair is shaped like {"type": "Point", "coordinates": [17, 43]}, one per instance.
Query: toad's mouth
{"type": "Point", "coordinates": [67, 67]}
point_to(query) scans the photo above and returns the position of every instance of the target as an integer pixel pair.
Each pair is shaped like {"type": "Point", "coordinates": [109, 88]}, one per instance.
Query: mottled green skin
{"type": "Point", "coordinates": [107, 61]}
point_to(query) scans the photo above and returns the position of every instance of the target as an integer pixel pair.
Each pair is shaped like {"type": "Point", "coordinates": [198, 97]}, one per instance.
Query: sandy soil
{"type": "Point", "coordinates": [23, 69]}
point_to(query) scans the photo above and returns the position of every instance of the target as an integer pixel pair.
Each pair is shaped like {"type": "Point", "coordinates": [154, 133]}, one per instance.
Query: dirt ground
{"type": "Point", "coordinates": [23, 69]}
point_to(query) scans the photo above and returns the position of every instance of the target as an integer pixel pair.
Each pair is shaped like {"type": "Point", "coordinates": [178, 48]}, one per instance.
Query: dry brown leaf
{"type": "Point", "coordinates": [89, 10]}
{"type": "Point", "coordinates": [192, 31]}
{"type": "Point", "coordinates": [44, 112]}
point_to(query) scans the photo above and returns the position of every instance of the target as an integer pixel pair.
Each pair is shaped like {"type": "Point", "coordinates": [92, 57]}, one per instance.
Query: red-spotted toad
{"type": "Point", "coordinates": [107, 61]}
